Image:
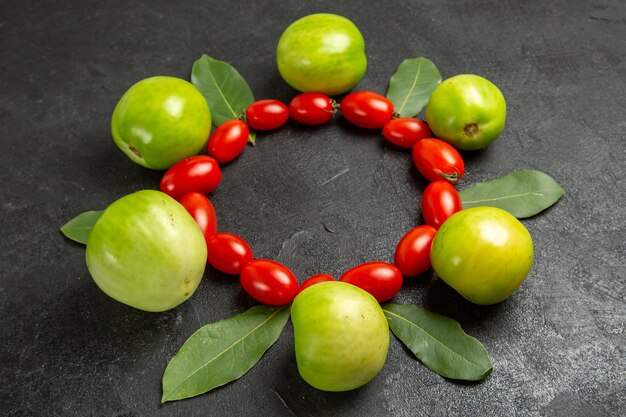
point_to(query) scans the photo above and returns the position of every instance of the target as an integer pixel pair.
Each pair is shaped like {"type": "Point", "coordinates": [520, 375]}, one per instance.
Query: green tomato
{"type": "Point", "coordinates": [341, 336]}
{"type": "Point", "coordinates": [323, 53]}
{"type": "Point", "coordinates": [161, 120]}
{"type": "Point", "coordinates": [467, 111]}
{"type": "Point", "coordinates": [147, 251]}
{"type": "Point", "coordinates": [484, 253]}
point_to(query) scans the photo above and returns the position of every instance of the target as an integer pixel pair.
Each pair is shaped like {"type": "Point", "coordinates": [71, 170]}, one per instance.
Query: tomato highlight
{"type": "Point", "coordinates": [199, 174]}
{"type": "Point", "coordinates": [269, 282]}
{"type": "Point", "coordinates": [440, 200]}
{"type": "Point", "coordinates": [381, 279]}
{"type": "Point", "coordinates": [228, 253]}
{"type": "Point", "coordinates": [267, 114]}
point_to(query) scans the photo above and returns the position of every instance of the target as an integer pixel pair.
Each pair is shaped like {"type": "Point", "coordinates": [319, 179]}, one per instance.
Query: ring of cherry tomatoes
{"type": "Point", "coordinates": [269, 282]}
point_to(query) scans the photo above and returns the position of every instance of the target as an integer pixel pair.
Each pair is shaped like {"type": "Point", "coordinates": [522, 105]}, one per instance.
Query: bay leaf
{"type": "Point", "coordinates": [79, 227]}
{"type": "Point", "coordinates": [439, 342]}
{"type": "Point", "coordinates": [522, 193]}
{"type": "Point", "coordinates": [225, 90]}
{"type": "Point", "coordinates": [411, 85]}
{"type": "Point", "coordinates": [222, 351]}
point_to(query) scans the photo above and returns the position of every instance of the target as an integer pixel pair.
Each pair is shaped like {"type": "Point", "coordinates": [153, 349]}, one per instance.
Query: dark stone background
{"type": "Point", "coordinates": [318, 199]}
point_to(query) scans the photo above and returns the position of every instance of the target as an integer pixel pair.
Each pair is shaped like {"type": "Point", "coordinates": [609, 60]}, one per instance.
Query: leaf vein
{"type": "Point", "coordinates": [434, 338]}
{"type": "Point", "coordinates": [537, 192]}
{"type": "Point", "coordinates": [204, 365]}
{"type": "Point", "coordinates": [219, 89]}
{"type": "Point", "coordinates": [406, 98]}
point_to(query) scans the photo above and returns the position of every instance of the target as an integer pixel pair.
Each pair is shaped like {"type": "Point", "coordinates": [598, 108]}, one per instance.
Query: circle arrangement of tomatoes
{"type": "Point", "coordinates": [323, 53]}
{"type": "Point", "coordinates": [436, 160]}
{"type": "Point", "coordinates": [312, 108]}
{"type": "Point", "coordinates": [228, 141]}
{"type": "Point", "coordinates": [366, 109]}
{"type": "Point", "coordinates": [161, 123]}
{"type": "Point", "coordinates": [199, 174]}
{"type": "Point", "coordinates": [269, 282]}
{"type": "Point", "coordinates": [267, 114]}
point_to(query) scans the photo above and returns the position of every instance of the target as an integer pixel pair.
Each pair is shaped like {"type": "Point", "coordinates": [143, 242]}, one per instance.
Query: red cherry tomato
{"type": "Point", "coordinates": [228, 253]}
{"type": "Point", "coordinates": [202, 211]}
{"type": "Point", "coordinates": [412, 255]}
{"type": "Point", "coordinates": [315, 279]}
{"type": "Point", "coordinates": [380, 279]}
{"type": "Point", "coordinates": [312, 108]}
{"type": "Point", "coordinates": [269, 282]}
{"type": "Point", "coordinates": [440, 200]}
{"type": "Point", "coordinates": [438, 160]}
{"type": "Point", "coordinates": [366, 109]}
{"type": "Point", "coordinates": [406, 131]}
{"type": "Point", "coordinates": [267, 114]}
{"type": "Point", "coordinates": [199, 174]}
{"type": "Point", "coordinates": [228, 140]}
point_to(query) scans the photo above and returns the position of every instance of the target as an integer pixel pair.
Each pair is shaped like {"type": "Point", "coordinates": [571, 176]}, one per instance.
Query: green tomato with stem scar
{"type": "Point", "coordinates": [160, 121]}
{"type": "Point", "coordinates": [468, 111]}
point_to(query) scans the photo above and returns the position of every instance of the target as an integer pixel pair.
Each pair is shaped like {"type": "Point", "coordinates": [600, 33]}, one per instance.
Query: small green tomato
{"type": "Point", "coordinates": [341, 336]}
{"type": "Point", "coordinates": [484, 253]}
{"type": "Point", "coordinates": [322, 53]}
{"type": "Point", "coordinates": [160, 121]}
{"type": "Point", "coordinates": [467, 111]}
{"type": "Point", "coordinates": [146, 251]}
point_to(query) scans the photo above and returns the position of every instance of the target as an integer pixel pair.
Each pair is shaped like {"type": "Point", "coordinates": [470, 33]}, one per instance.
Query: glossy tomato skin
{"type": "Point", "coordinates": [311, 108]}
{"type": "Point", "coordinates": [267, 114]}
{"type": "Point", "coordinates": [315, 279]}
{"type": "Point", "coordinates": [161, 120]}
{"type": "Point", "coordinates": [228, 253]}
{"type": "Point", "coordinates": [146, 251]}
{"type": "Point", "coordinates": [381, 279]}
{"type": "Point", "coordinates": [466, 110]}
{"type": "Point", "coordinates": [484, 253]}
{"type": "Point", "coordinates": [202, 211]}
{"type": "Point", "coordinates": [341, 336]}
{"type": "Point", "coordinates": [366, 109]}
{"type": "Point", "coordinates": [412, 255]}
{"type": "Point", "coordinates": [269, 282]}
{"type": "Point", "coordinates": [322, 53]}
{"type": "Point", "coordinates": [440, 200]}
{"type": "Point", "coordinates": [228, 141]}
{"type": "Point", "coordinates": [199, 174]}
{"type": "Point", "coordinates": [406, 131]}
{"type": "Point", "coordinates": [438, 160]}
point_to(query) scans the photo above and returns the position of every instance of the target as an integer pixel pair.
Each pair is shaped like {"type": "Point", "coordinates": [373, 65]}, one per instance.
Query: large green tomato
{"type": "Point", "coordinates": [341, 336]}
{"type": "Point", "coordinates": [467, 111]}
{"type": "Point", "coordinates": [161, 120]}
{"type": "Point", "coordinates": [482, 252]}
{"type": "Point", "coordinates": [323, 53]}
{"type": "Point", "coordinates": [147, 251]}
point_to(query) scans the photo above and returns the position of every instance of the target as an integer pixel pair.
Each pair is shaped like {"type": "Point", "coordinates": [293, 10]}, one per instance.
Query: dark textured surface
{"type": "Point", "coordinates": [319, 200]}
